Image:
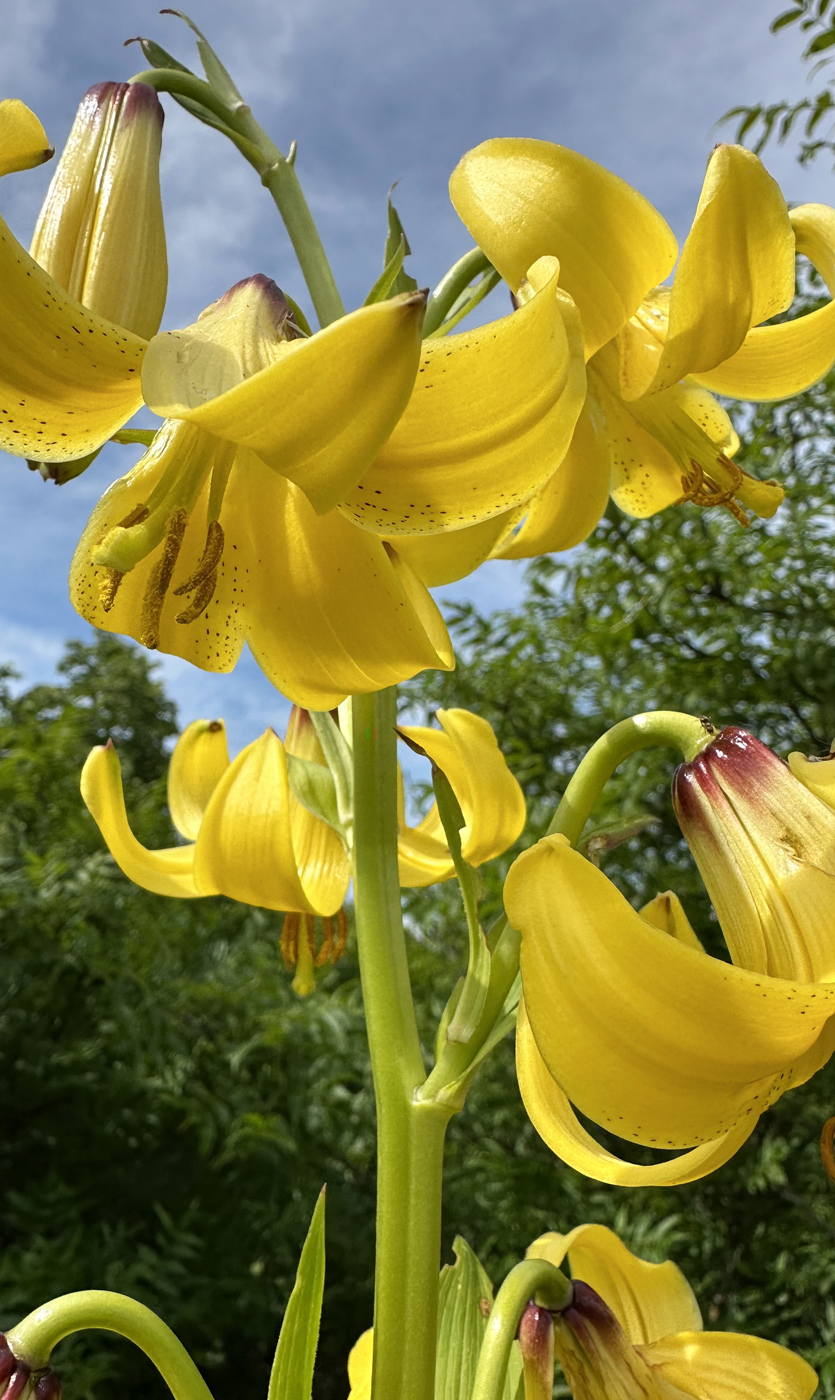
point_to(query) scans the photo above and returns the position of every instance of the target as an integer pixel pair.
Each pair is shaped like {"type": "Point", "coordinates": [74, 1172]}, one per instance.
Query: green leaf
{"type": "Point", "coordinates": [312, 785]}
{"type": "Point", "coordinates": [157, 56]}
{"type": "Point", "coordinates": [216, 75]}
{"type": "Point", "coordinates": [385, 282]}
{"type": "Point", "coordinates": [196, 109]}
{"type": "Point", "coordinates": [340, 763]}
{"type": "Point", "coordinates": [787, 17]}
{"type": "Point", "coordinates": [823, 41]}
{"type": "Point", "coordinates": [402, 282]}
{"type": "Point", "coordinates": [474, 992]}
{"type": "Point", "coordinates": [292, 1375]}
{"type": "Point", "coordinates": [465, 1297]}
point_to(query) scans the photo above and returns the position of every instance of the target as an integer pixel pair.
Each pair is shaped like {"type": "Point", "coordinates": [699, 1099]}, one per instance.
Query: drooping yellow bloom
{"type": "Point", "coordinates": [74, 313]}
{"type": "Point", "coordinates": [634, 1330]}
{"type": "Point", "coordinates": [212, 540]}
{"type": "Point", "coordinates": [651, 434]}
{"type": "Point", "coordinates": [491, 800]}
{"type": "Point", "coordinates": [627, 1017]}
{"type": "Point", "coordinates": [249, 837]}
{"type": "Point", "coordinates": [360, 1362]}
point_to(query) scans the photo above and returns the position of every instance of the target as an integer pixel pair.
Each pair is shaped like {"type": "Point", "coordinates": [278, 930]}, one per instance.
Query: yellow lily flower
{"type": "Point", "coordinates": [360, 1361]}
{"type": "Point", "coordinates": [491, 800]}
{"type": "Point", "coordinates": [634, 1330]}
{"type": "Point", "coordinates": [219, 508]}
{"type": "Point", "coordinates": [75, 312]}
{"type": "Point", "coordinates": [250, 839]}
{"type": "Point", "coordinates": [627, 1017]}
{"type": "Point", "coordinates": [651, 434]}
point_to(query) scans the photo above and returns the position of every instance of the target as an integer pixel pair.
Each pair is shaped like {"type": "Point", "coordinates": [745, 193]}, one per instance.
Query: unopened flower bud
{"type": "Point", "coordinates": [536, 1343]}
{"type": "Point", "coordinates": [100, 232]}
{"type": "Point", "coordinates": [48, 1385]}
{"type": "Point", "coordinates": [17, 1382]}
{"type": "Point", "coordinates": [764, 843]}
{"type": "Point", "coordinates": [598, 1360]}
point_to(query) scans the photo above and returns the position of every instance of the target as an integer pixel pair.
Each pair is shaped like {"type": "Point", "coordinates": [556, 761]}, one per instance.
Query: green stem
{"type": "Point", "coordinates": [533, 1278]}
{"type": "Point", "coordinates": [656, 729]}
{"type": "Point", "coordinates": [278, 175]}
{"type": "Point", "coordinates": [451, 285]}
{"type": "Point", "coordinates": [33, 1339]}
{"type": "Point", "coordinates": [410, 1133]}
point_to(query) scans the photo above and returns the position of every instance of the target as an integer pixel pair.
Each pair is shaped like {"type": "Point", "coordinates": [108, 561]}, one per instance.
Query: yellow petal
{"type": "Point", "coordinates": [491, 800]}
{"type": "Point", "coordinates": [730, 1366]}
{"type": "Point", "coordinates": [23, 141]}
{"type": "Point", "coordinates": [816, 775]}
{"type": "Point", "coordinates": [245, 847]}
{"type": "Point", "coordinates": [359, 1366]}
{"type": "Point", "coordinates": [665, 912]}
{"type": "Point", "coordinates": [776, 362]}
{"type": "Point", "coordinates": [320, 853]}
{"type": "Point", "coordinates": [651, 1039]}
{"type": "Point", "coordinates": [442, 559]}
{"type": "Point", "coordinates": [318, 413]}
{"type": "Point", "coordinates": [522, 199]}
{"type": "Point", "coordinates": [68, 379]}
{"type": "Point", "coordinates": [554, 1119]}
{"type": "Point", "coordinates": [569, 506]}
{"type": "Point", "coordinates": [168, 871]}
{"type": "Point", "coordinates": [199, 760]}
{"type": "Point", "coordinates": [489, 421]}
{"type": "Point", "coordinates": [736, 268]}
{"type": "Point", "coordinates": [649, 1300]}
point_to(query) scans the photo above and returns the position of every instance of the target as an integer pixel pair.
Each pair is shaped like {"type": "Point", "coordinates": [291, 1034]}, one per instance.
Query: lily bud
{"type": "Point", "coordinates": [536, 1342]}
{"type": "Point", "coordinates": [100, 232]}
{"type": "Point", "coordinates": [764, 842]}
{"type": "Point", "coordinates": [597, 1358]}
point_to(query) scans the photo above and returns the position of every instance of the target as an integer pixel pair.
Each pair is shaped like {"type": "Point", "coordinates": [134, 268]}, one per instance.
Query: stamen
{"type": "Point", "coordinates": [204, 578]}
{"type": "Point", "coordinates": [109, 579]}
{"type": "Point", "coordinates": [290, 939]}
{"type": "Point", "coordinates": [828, 1148]}
{"type": "Point", "coordinates": [341, 935]}
{"type": "Point", "coordinates": [698, 488]}
{"type": "Point", "coordinates": [326, 949]}
{"type": "Point", "coordinates": [160, 579]}
{"type": "Point", "coordinates": [200, 601]}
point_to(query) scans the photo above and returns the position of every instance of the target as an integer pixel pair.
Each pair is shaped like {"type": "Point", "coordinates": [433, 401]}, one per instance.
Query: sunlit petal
{"type": "Point", "coordinates": [522, 199]}
{"type": "Point", "coordinates": [23, 141]}
{"type": "Point", "coordinates": [169, 871]}
{"type": "Point", "coordinates": [665, 912]}
{"type": "Point", "coordinates": [730, 1366]}
{"type": "Point", "coordinates": [444, 558]}
{"type": "Point", "coordinates": [199, 760]}
{"type": "Point", "coordinates": [490, 420]}
{"type": "Point", "coordinates": [817, 775]}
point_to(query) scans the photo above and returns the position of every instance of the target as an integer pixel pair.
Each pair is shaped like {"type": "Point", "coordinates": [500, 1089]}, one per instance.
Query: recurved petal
{"type": "Point", "coordinates": [817, 775]}
{"type": "Point", "coordinates": [198, 763]}
{"type": "Point", "coordinates": [649, 1300]}
{"type": "Point", "coordinates": [441, 559]}
{"type": "Point", "coordinates": [245, 847]}
{"type": "Point", "coordinates": [488, 424]}
{"type": "Point", "coordinates": [557, 1124]}
{"type": "Point", "coordinates": [23, 141]}
{"type": "Point", "coordinates": [650, 1038]}
{"type": "Point", "coordinates": [522, 199]}
{"type": "Point", "coordinates": [167, 871]}
{"type": "Point", "coordinates": [736, 268]}
{"type": "Point", "coordinates": [665, 911]}
{"type": "Point", "coordinates": [333, 611]}
{"type": "Point", "coordinates": [68, 379]}
{"type": "Point", "coordinates": [568, 507]}
{"type": "Point", "coordinates": [730, 1366]}
{"type": "Point", "coordinates": [491, 800]}
{"type": "Point", "coordinates": [776, 362]}
{"type": "Point", "coordinates": [319, 413]}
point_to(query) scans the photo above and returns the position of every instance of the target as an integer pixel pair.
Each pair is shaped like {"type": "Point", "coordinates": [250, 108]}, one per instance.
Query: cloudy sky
{"type": "Point", "coordinates": [373, 91]}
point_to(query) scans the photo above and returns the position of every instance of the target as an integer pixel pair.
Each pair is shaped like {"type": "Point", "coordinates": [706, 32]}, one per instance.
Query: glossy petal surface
{"type": "Point", "coordinates": [736, 268]}
{"type": "Point", "coordinates": [488, 423]}
{"type": "Point", "coordinates": [648, 1037]}
{"type": "Point", "coordinates": [318, 413]}
{"type": "Point", "coordinates": [730, 1366]}
{"type": "Point", "coordinates": [23, 141]}
{"type": "Point", "coordinates": [68, 379]}
{"type": "Point", "coordinates": [568, 507]}
{"type": "Point", "coordinates": [522, 199]}
{"type": "Point", "coordinates": [650, 1301]}
{"type": "Point", "coordinates": [445, 558]}
{"type": "Point", "coordinates": [776, 362]}
{"type": "Point", "coordinates": [199, 761]}
{"type": "Point", "coordinates": [169, 871]}
{"type": "Point", "coordinates": [466, 751]}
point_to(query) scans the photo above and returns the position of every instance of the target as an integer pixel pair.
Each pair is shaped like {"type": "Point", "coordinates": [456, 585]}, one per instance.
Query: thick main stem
{"type": "Point", "coordinates": [410, 1134]}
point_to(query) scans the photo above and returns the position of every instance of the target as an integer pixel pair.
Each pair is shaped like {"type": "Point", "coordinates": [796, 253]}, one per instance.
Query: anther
{"type": "Point", "coordinates": [200, 601]}
{"type": "Point", "coordinates": [290, 939]}
{"type": "Point", "coordinates": [828, 1148]}
{"type": "Point", "coordinates": [325, 952]}
{"type": "Point", "coordinates": [109, 579]}
{"type": "Point", "coordinates": [160, 579]}
{"type": "Point", "coordinates": [209, 560]}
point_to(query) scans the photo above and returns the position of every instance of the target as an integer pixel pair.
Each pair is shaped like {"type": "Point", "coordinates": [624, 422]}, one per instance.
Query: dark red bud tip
{"type": "Point", "coordinates": [48, 1386]}
{"type": "Point", "coordinates": [215, 726]}
{"type": "Point", "coordinates": [588, 1310]}
{"type": "Point", "coordinates": [8, 1361]}
{"type": "Point", "coordinates": [18, 1381]}
{"type": "Point", "coordinates": [534, 1333]}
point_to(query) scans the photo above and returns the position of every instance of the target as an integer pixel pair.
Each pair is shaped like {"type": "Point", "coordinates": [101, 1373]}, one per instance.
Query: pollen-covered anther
{"type": "Point", "coordinates": [160, 579]}
{"type": "Point", "coordinates": [202, 582]}
{"type": "Point", "coordinates": [334, 939]}
{"type": "Point", "coordinates": [828, 1147]}
{"type": "Point", "coordinates": [298, 946]}
{"type": "Point", "coordinates": [109, 579]}
{"type": "Point", "coordinates": [698, 488]}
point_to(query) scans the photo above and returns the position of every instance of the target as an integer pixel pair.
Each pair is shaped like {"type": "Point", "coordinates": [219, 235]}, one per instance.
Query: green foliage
{"type": "Point", "coordinates": [292, 1374]}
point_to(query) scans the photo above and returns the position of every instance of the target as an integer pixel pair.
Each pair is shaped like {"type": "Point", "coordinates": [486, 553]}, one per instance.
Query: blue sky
{"type": "Point", "coordinates": [373, 91]}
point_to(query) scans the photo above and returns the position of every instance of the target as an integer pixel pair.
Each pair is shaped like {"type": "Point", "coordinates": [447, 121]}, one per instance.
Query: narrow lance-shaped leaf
{"type": "Point", "coordinates": [292, 1374]}
{"type": "Point", "coordinates": [402, 282]}
{"type": "Point", "coordinates": [474, 992]}
{"type": "Point", "coordinates": [216, 75]}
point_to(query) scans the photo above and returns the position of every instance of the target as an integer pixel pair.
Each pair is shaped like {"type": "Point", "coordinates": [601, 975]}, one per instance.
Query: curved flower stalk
{"type": "Point", "coordinates": [634, 1330]}
{"type": "Point", "coordinates": [212, 540]}
{"type": "Point", "coordinates": [75, 313]}
{"type": "Point", "coordinates": [491, 800]}
{"type": "Point", "coordinates": [627, 1017]}
{"type": "Point", "coordinates": [651, 434]}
